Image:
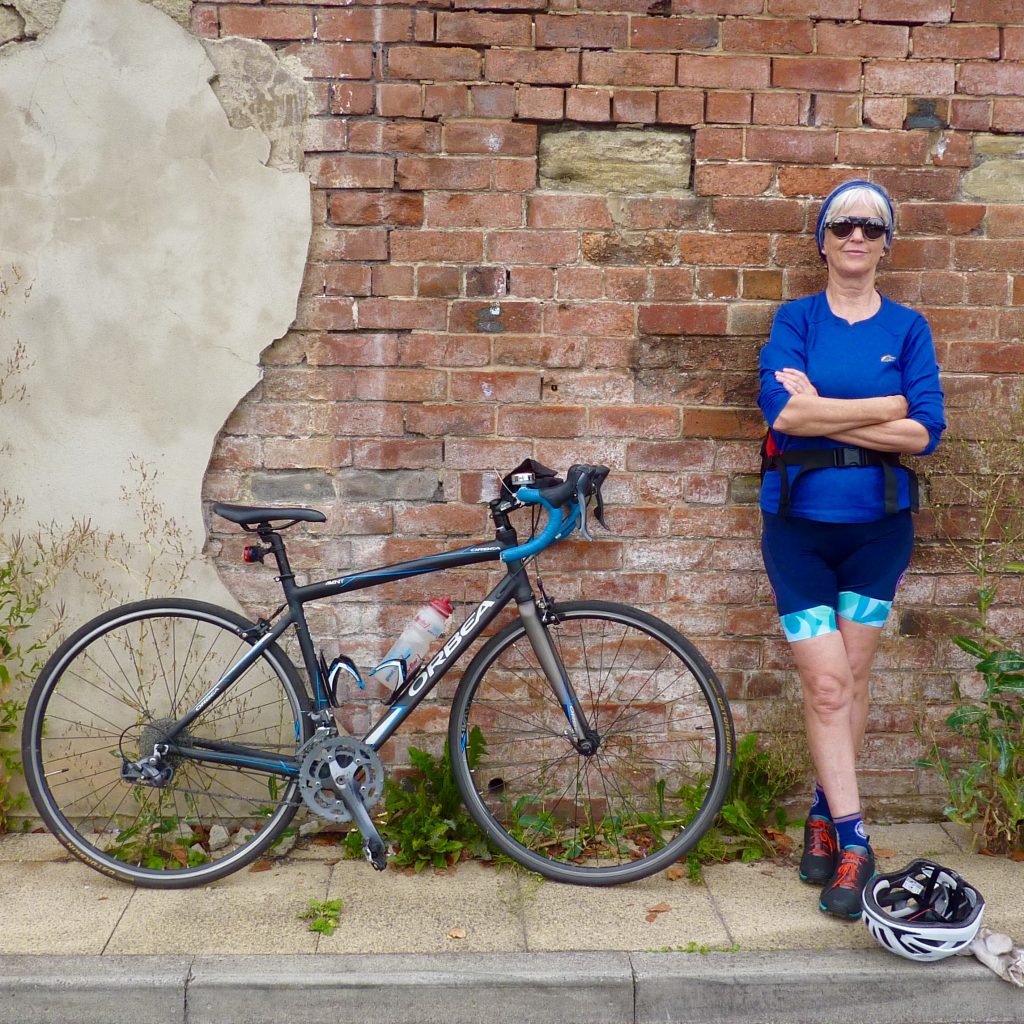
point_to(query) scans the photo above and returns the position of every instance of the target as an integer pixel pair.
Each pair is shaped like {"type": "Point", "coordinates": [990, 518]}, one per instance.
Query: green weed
{"type": "Point", "coordinates": [322, 915]}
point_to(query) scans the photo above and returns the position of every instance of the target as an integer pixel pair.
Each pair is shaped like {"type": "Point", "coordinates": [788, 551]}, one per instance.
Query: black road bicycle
{"type": "Point", "coordinates": [170, 742]}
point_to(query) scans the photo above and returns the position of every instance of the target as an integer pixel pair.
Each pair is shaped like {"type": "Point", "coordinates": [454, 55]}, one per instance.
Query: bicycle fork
{"type": "Point", "coordinates": [579, 732]}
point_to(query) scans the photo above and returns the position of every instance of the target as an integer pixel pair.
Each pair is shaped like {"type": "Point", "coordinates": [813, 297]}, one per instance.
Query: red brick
{"type": "Point", "coordinates": [777, 108]}
{"type": "Point", "coordinates": [540, 104]}
{"type": "Point", "coordinates": [941, 218]}
{"type": "Point", "coordinates": [712, 72]}
{"type": "Point", "coordinates": [392, 279]}
{"type": "Point", "coordinates": [265, 23]}
{"type": "Point", "coordinates": [970, 115]}
{"type": "Point", "coordinates": [986, 254]}
{"type": "Point", "coordinates": [568, 211]}
{"type": "Point", "coordinates": [347, 279]}
{"type": "Point", "coordinates": [759, 214]}
{"type": "Point", "coordinates": [958, 42]}
{"type": "Point", "coordinates": [816, 73]}
{"type": "Point", "coordinates": [515, 175]}
{"type": "Point", "coordinates": [448, 350]}
{"type": "Point", "coordinates": [884, 111]}
{"type": "Point", "coordinates": [516, 317]}
{"type": "Point", "coordinates": [402, 314]}
{"type": "Point", "coordinates": [328, 134]}
{"type": "Point", "coordinates": [741, 179]}
{"type": "Point", "coordinates": [791, 145]}
{"type": "Point", "coordinates": [393, 385]}
{"type": "Point", "coordinates": [493, 101]}
{"type": "Point", "coordinates": [1008, 115]}
{"type": "Point", "coordinates": [938, 183]}
{"type": "Point", "coordinates": [426, 63]}
{"type": "Point", "coordinates": [717, 283]}
{"type": "Point", "coordinates": [988, 289]}
{"type": "Point", "coordinates": [613, 319]}
{"type": "Point", "coordinates": [531, 67]}
{"type": "Point", "coordinates": [442, 172]}
{"type": "Point", "coordinates": [768, 35]}
{"type": "Point", "coordinates": [907, 10]}
{"type": "Point", "coordinates": [637, 106]}
{"type": "Point", "coordinates": [546, 248]}
{"type": "Point", "coordinates": [834, 110]}
{"type": "Point", "coordinates": [539, 350]}
{"type": "Point", "coordinates": [762, 284]}
{"type": "Point", "coordinates": [369, 243]}
{"type": "Point", "coordinates": [352, 349]}
{"type": "Point", "coordinates": [352, 97]}
{"type": "Point", "coordinates": [663, 213]}
{"type": "Point", "coordinates": [445, 100]}
{"type": "Point", "coordinates": [395, 137]}
{"type": "Point", "coordinates": [1001, 12]}
{"type": "Point", "coordinates": [362, 25]}
{"type": "Point", "coordinates": [913, 78]}
{"type": "Point", "coordinates": [728, 108]}
{"type": "Point", "coordinates": [678, 107]}
{"type": "Point", "coordinates": [921, 254]}
{"type": "Point", "coordinates": [484, 29]}
{"type": "Point", "coordinates": [628, 284]}
{"type": "Point", "coordinates": [834, 10]}
{"type": "Point", "coordinates": [360, 419]}
{"type": "Point", "coordinates": [414, 246]}
{"type": "Point", "coordinates": [577, 31]}
{"type": "Point", "coordinates": [628, 69]}
{"type": "Point", "coordinates": [204, 22]}
{"type": "Point", "coordinates": [588, 105]}
{"type": "Point", "coordinates": [718, 144]}
{"type": "Point", "coordinates": [863, 40]}
{"type": "Point", "coordinates": [716, 7]}
{"type": "Point", "coordinates": [495, 385]}
{"type": "Point", "coordinates": [323, 313]}
{"type": "Point", "coordinates": [885, 148]}
{"type": "Point", "coordinates": [1005, 221]}
{"type": "Point", "coordinates": [532, 282]}
{"type": "Point", "coordinates": [501, 5]}
{"type": "Point", "coordinates": [351, 171]}
{"type": "Point", "coordinates": [1003, 79]}
{"type": "Point", "coordinates": [394, 100]}
{"type": "Point", "coordinates": [636, 421]}
{"type": "Point", "coordinates": [1013, 43]}
{"type": "Point", "coordinates": [706, 422]}
{"type": "Point", "coordinates": [469, 210]}
{"type": "Point", "coordinates": [437, 282]}
{"type": "Point", "coordinates": [333, 60]}
{"type": "Point", "coordinates": [673, 33]}
{"type": "Point", "coordinates": [542, 421]}
{"type": "Point", "coordinates": [689, 318]}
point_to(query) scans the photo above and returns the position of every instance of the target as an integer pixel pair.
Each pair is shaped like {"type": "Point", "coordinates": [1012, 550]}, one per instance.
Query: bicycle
{"type": "Point", "coordinates": [170, 742]}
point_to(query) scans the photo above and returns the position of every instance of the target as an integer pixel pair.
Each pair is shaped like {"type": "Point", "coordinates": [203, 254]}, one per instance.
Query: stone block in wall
{"type": "Point", "coordinates": [999, 177]}
{"type": "Point", "coordinates": [615, 160]}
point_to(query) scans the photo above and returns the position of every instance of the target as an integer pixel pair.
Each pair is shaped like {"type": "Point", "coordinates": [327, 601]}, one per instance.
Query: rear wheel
{"type": "Point", "coordinates": [108, 696]}
{"type": "Point", "coordinates": [662, 765]}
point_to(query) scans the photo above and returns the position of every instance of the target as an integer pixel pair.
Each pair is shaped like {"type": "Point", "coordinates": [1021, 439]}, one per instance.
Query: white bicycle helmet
{"type": "Point", "coordinates": [924, 912]}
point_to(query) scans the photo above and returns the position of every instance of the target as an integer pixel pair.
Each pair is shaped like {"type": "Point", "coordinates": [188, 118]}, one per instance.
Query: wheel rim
{"type": "Point", "coordinates": [636, 804]}
{"type": "Point", "coordinates": [113, 692]}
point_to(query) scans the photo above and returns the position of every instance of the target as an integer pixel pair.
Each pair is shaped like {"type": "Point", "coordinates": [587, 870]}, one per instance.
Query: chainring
{"type": "Point", "coordinates": [359, 761]}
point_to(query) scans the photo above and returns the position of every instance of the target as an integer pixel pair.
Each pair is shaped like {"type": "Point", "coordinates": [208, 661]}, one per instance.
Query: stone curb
{"type": "Point", "coordinates": [541, 988]}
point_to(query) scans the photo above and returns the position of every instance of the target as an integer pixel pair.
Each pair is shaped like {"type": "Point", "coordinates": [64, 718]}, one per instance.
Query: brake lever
{"type": "Point", "coordinates": [581, 502]}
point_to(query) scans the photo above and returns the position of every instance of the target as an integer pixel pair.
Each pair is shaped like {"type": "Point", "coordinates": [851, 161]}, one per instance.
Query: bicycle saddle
{"type": "Point", "coordinates": [250, 515]}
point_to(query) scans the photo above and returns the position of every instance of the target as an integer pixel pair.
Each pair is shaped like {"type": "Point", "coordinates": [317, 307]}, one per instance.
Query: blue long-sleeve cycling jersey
{"type": "Point", "coordinates": [888, 354]}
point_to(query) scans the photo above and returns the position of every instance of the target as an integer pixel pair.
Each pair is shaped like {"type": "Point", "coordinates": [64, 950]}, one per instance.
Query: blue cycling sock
{"type": "Point", "coordinates": [850, 831]}
{"type": "Point", "coordinates": [820, 808]}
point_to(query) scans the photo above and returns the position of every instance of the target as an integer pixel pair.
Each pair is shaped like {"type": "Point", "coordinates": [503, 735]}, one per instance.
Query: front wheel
{"type": "Point", "coordinates": [111, 692]}
{"type": "Point", "coordinates": [664, 754]}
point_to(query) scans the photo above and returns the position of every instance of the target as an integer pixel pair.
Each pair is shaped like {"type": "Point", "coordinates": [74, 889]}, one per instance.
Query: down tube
{"type": "Point", "coordinates": [428, 677]}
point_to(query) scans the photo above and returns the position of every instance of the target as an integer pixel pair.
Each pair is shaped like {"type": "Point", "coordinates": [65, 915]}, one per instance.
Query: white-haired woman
{"type": "Point", "coordinates": [849, 382]}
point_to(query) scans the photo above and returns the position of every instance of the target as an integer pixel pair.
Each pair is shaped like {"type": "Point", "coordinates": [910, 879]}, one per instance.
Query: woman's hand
{"type": "Point", "coordinates": [796, 382]}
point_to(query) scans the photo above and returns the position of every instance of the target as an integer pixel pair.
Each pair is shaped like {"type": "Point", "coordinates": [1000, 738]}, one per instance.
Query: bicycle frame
{"type": "Point", "coordinates": [515, 585]}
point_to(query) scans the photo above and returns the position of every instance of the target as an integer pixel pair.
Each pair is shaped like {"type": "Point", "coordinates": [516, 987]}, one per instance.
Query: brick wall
{"type": "Point", "coordinates": [630, 321]}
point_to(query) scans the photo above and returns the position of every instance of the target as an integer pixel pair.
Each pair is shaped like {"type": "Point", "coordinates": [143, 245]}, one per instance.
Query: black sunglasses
{"type": "Point", "coordinates": [842, 227]}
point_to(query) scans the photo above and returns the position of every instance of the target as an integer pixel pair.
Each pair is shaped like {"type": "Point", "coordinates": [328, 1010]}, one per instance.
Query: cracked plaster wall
{"type": "Point", "coordinates": [148, 255]}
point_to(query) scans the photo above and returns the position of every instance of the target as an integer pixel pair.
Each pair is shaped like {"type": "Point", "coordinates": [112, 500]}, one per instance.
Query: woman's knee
{"type": "Point", "coordinates": [828, 693]}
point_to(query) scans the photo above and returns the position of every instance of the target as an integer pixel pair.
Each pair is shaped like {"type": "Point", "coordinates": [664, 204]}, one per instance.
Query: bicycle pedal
{"type": "Point", "coordinates": [376, 853]}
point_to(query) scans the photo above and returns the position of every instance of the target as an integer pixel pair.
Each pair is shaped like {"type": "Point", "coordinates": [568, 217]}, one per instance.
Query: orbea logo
{"type": "Point", "coordinates": [449, 648]}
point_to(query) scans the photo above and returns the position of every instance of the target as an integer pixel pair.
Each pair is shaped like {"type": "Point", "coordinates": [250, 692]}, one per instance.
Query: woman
{"type": "Point", "coordinates": [849, 382]}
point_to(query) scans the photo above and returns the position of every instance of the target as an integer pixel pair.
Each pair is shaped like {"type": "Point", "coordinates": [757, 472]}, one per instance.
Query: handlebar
{"type": "Point", "coordinates": [582, 482]}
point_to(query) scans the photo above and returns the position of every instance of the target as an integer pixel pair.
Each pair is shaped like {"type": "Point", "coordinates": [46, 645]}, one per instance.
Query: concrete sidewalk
{"type": "Point", "coordinates": [747, 944]}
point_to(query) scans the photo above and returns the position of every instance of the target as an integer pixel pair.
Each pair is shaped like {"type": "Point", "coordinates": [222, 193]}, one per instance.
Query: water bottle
{"type": "Point", "coordinates": [408, 650]}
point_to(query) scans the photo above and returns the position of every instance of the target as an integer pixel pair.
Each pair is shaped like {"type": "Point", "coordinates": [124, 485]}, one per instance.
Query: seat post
{"type": "Point", "coordinates": [276, 542]}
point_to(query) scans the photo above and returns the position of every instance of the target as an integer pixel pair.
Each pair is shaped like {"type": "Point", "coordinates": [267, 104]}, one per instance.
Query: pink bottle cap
{"type": "Point", "coordinates": [442, 605]}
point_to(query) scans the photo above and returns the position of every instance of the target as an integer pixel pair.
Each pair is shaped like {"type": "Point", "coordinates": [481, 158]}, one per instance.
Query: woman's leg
{"type": "Point", "coordinates": [861, 643]}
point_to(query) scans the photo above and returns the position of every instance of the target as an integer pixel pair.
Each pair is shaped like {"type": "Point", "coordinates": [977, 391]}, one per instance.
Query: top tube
{"type": "Point", "coordinates": [554, 531]}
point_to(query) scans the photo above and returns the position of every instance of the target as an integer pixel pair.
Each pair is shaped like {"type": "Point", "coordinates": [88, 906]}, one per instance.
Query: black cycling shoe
{"type": "Point", "coordinates": [842, 895]}
{"type": "Point", "coordinates": [821, 851]}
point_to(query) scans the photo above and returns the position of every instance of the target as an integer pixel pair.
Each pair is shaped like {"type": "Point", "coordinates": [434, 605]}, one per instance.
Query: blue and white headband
{"type": "Point", "coordinates": [819, 231]}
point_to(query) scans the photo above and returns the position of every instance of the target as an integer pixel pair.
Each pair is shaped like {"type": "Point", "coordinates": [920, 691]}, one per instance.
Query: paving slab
{"type": "Point", "coordinates": [655, 913]}
{"type": "Point", "coordinates": [248, 912]}
{"type": "Point", "coordinates": [566, 988]}
{"type": "Point", "coordinates": [93, 990]}
{"type": "Point", "coordinates": [804, 987]}
{"type": "Point", "coordinates": [21, 847]}
{"type": "Point", "coordinates": [471, 907]}
{"type": "Point", "coordinates": [55, 907]}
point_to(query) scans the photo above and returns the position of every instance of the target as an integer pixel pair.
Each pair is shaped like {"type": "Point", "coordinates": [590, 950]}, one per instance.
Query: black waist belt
{"type": "Point", "coordinates": [843, 458]}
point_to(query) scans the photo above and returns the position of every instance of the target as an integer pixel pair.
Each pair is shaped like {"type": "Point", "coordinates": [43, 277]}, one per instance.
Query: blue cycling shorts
{"type": "Point", "coordinates": [819, 571]}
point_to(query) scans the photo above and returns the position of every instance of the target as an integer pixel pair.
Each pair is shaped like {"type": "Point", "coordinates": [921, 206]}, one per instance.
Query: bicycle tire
{"type": "Point", "coordinates": [102, 697]}
{"type": "Point", "coordinates": [655, 784]}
